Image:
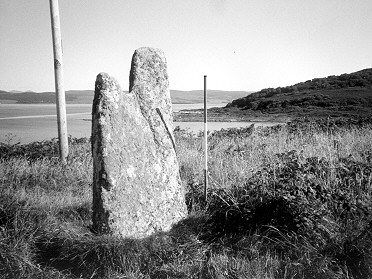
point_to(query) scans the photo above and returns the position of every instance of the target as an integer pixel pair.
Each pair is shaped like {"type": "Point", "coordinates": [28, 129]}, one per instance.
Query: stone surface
{"type": "Point", "coordinates": [136, 187]}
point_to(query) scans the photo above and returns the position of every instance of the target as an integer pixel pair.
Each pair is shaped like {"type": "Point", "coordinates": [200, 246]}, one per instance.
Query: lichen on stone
{"type": "Point", "coordinates": [133, 146]}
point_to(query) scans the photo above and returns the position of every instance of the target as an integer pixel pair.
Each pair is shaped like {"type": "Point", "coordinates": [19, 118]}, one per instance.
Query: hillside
{"type": "Point", "coordinates": [334, 95]}
{"type": "Point", "coordinates": [86, 97]}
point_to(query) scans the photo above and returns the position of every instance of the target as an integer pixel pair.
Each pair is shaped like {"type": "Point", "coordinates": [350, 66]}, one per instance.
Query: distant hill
{"type": "Point", "coordinates": [213, 96]}
{"type": "Point", "coordinates": [72, 97]}
{"type": "Point", "coordinates": [344, 93]}
{"type": "Point", "coordinates": [86, 97]}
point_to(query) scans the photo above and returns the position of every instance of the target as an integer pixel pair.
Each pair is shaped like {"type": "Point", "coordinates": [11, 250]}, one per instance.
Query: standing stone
{"type": "Point", "coordinates": [136, 186]}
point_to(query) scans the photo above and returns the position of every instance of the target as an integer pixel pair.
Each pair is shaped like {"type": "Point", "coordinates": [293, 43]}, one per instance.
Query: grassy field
{"type": "Point", "coordinates": [288, 201]}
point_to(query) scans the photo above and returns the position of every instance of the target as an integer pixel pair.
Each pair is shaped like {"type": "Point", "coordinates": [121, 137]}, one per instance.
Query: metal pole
{"type": "Point", "coordinates": [205, 142]}
{"type": "Point", "coordinates": [58, 78]}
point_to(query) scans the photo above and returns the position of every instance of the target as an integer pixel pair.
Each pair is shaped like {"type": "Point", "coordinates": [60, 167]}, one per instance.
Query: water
{"type": "Point", "coordinates": [195, 127]}
{"type": "Point", "coordinates": [178, 107]}
{"type": "Point", "coordinates": [35, 122]}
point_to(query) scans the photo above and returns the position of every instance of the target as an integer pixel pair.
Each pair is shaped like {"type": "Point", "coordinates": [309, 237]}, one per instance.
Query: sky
{"type": "Point", "coordinates": [243, 45]}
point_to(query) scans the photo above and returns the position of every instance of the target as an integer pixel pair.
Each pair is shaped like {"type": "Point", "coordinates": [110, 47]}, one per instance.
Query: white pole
{"type": "Point", "coordinates": [205, 142]}
{"type": "Point", "coordinates": [58, 78]}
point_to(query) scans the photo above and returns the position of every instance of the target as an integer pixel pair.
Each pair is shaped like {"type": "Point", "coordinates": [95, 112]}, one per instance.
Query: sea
{"type": "Point", "coordinates": [25, 123]}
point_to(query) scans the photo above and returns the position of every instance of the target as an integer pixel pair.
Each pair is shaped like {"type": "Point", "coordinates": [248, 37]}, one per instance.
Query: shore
{"type": "Point", "coordinates": [223, 114]}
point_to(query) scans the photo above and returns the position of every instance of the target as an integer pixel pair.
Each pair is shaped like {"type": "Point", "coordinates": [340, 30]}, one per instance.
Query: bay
{"type": "Point", "coordinates": [25, 123]}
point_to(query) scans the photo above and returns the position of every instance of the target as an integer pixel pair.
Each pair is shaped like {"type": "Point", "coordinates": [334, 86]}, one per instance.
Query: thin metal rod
{"type": "Point", "coordinates": [205, 141]}
{"type": "Point", "coordinates": [58, 79]}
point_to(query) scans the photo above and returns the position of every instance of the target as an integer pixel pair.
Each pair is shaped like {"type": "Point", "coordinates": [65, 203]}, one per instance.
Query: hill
{"type": "Point", "coordinates": [197, 96]}
{"type": "Point", "coordinates": [72, 97]}
{"type": "Point", "coordinates": [346, 94]}
{"type": "Point", "coordinates": [86, 97]}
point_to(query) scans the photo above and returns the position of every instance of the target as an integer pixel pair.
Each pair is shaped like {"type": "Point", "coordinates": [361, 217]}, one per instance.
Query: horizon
{"type": "Point", "coordinates": [191, 90]}
{"type": "Point", "coordinates": [240, 45]}
{"type": "Point", "coordinates": [66, 90]}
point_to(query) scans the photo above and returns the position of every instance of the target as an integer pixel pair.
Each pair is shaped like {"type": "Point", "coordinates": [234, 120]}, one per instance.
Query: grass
{"type": "Point", "coordinates": [284, 202]}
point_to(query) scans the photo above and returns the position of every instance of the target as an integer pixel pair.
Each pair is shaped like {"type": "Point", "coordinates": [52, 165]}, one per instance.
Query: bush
{"type": "Point", "coordinates": [306, 201]}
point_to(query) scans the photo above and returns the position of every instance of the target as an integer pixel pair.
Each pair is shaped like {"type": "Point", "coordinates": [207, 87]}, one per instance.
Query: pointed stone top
{"type": "Point", "coordinates": [148, 66]}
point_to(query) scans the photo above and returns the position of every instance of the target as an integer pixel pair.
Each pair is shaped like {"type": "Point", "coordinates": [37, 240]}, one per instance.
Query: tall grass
{"type": "Point", "coordinates": [284, 202]}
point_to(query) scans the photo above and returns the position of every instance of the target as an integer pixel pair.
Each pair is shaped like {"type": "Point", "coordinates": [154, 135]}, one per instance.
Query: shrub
{"type": "Point", "coordinates": [305, 201]}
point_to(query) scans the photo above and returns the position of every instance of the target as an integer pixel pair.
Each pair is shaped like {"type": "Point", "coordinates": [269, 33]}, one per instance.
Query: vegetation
{"type": "Point", "coordinates": [347, 94]}
{"type": "Point", "coordinates": [288, 201]}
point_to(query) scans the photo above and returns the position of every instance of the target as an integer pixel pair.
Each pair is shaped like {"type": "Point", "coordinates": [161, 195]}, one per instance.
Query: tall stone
{"type": "Point", "coordinates": [136, 186]}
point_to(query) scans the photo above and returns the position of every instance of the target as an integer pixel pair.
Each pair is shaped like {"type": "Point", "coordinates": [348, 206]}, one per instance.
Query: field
{"type": "Point", "coordinates": [290, 201]}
